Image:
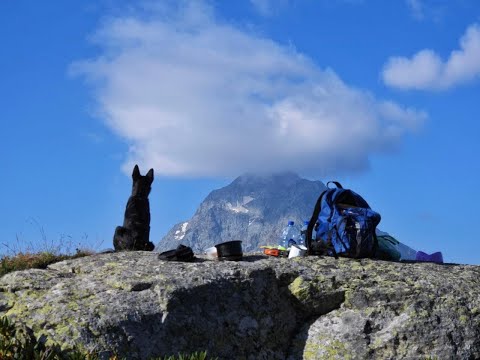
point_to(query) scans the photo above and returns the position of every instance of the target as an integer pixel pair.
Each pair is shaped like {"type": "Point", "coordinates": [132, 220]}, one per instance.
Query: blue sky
{"type": "Point", "coordinates": [380, 95]}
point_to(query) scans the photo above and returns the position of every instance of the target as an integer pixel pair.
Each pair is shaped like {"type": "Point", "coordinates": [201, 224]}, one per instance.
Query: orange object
{"type": "Point", "coordinates": [275, 252]}
{"type": "Point", "coordinates": [271, 252]}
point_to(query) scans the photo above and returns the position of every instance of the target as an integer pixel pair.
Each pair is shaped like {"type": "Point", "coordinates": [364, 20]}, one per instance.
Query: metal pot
{"type": "Point", "coordinates": [230, 250]}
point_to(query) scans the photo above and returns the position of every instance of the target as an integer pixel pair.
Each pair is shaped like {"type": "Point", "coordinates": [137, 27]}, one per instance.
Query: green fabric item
{"type": "Point", "coordinates": [387, 248]}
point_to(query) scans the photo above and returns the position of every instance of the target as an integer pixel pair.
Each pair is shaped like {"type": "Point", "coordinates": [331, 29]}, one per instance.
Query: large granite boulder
{"type": "Point", "coordinates": [137, 306]}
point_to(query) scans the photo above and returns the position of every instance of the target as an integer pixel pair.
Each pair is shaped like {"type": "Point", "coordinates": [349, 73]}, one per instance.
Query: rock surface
{"type": "Point", "coordinates": [252, 208]}
{"type": "Point", "coordinates": [137, 306]}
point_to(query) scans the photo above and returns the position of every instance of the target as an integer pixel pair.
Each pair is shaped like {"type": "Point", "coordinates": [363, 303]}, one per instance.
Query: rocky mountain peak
{"type": "Point", "coordinates": [253, 208]}
{"type": "Point", "coordinates": [286, 177]}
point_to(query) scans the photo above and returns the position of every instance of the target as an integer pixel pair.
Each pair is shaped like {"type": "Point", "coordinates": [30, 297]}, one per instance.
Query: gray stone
{"type": "Point", "coordinates": [135, 305]}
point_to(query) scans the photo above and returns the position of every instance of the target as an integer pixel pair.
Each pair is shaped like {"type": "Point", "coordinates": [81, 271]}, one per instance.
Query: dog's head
{"type": "Point", "coordinates": [141, 184]}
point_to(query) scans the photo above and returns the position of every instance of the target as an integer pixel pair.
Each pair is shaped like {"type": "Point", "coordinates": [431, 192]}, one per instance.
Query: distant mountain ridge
{"type": "Point", "coordinates": [253, 208]}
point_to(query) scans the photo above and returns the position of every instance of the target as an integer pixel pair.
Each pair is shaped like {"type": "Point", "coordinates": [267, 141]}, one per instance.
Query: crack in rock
{"type": "Point", "coordinates": [141, 286]}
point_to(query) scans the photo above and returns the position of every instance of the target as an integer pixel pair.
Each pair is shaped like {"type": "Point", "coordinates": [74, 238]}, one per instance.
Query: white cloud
{"type": "Point", "coordinates": [428, 10]}
{"type": "Point", "coordinates": [269, 7]}
{"type": "Point", "coordinates": [427, 71]}
{"type": "Point", "coordinates": [416, 8]}
{"type": "Point", "coordinates": [194, 96]}
{"type": "Point", "coordinates": [264, 7]}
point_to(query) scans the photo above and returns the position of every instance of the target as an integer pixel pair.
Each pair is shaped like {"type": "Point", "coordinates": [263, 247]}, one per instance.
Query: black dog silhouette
{"type": "Point", "coordinates": [135, 232]}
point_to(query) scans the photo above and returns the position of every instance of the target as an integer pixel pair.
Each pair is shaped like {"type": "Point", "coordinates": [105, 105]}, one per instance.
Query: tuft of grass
{"type": "Point", "coordinates": [22, 254]}
{"type": "Point", "coordinates": [200, 355]}
{"type": "Point", "coordinates": [24, 261]}
{"type": "Point", "coordinates": [17, 342]}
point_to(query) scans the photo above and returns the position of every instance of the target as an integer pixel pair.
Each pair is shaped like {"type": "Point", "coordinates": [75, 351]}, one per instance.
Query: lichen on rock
{"type": "Point", "coordinates": [134, 304]}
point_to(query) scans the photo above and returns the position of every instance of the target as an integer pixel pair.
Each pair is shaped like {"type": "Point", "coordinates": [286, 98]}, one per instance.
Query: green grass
{"type": "Point", "coordinates": [23, 254]}
{"type": "Point", "coordinates": [200, 355]}
{"type": "Point", "coordinates": [24, 261]}
{"type": "Point", "coordinates": [19, 343]}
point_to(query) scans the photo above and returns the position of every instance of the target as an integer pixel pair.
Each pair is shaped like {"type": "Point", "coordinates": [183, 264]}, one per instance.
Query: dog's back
{"type": "Point", "coordinates": [137, 212]}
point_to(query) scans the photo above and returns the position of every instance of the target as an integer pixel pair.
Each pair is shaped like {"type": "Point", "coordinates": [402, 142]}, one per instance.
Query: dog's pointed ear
{"type": "Point", "coordinates": [136, 173]}
{"type": "Point", "coordinates": [150, 175]}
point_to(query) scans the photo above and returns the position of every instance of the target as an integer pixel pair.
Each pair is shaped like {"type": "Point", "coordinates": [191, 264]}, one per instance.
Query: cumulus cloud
{"type": "Point", "coordinates": [417, 8]}
{"type": "Point", "coordinates": [195, 96]}
{"type": "Point", "coordinates": [427, 71]}
{"type": "Point", "coordinates": [270, 7]}
{"type": "Point", "coordinates": [264, 7]}
{"type": "Point", "coordinates": [428, 10]}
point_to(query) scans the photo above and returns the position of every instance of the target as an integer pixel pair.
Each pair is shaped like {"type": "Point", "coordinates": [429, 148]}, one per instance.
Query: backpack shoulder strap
{"type": "Point", "coordinates": [313, 220]}
{"type": "Point", "coordinates": [375, 245]}
{"type": "Point", "coordinates": [336, 183]}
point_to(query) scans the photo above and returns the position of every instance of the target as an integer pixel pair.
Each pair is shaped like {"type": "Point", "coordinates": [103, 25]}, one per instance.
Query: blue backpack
{"type": "Point", "coordinates": [344, 224]}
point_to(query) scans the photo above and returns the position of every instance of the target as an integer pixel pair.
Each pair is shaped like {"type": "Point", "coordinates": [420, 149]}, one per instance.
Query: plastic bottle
{"type": "Point", "coordinates": [290, 235]}
{"type": "Point", "coordinates": [303, 233]}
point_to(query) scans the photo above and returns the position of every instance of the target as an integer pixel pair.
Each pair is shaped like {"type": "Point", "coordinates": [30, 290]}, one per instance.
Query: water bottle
{"type": "Point", "coordinates": [303, 233]}
{"type": "Point", "coordinates": [290, 235]}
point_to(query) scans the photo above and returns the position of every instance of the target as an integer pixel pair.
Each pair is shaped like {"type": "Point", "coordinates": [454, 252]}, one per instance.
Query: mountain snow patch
{"type": "Point", "coordinates": [180, 234]}
{"type": "Point", "coordinates": [240, 206]}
